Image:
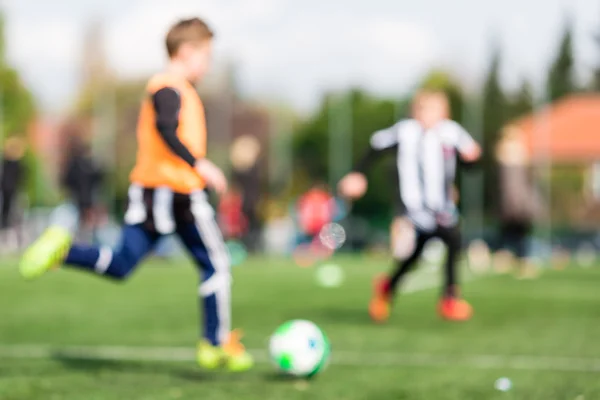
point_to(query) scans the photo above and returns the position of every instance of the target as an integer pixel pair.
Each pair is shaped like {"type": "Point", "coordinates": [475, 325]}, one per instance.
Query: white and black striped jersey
{"type": "Point", "coordinates": [426, 161]}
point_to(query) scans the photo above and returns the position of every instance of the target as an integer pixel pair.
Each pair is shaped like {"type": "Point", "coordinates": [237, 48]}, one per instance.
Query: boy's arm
{"type": "Point", "coordinates": [167, 104]}
{"type": "Point", "coordinates": [354, 184]}
{"type": "Point", "coordinates": [468, 149]}
{"type": "Point", "coordinates": [382, 142]}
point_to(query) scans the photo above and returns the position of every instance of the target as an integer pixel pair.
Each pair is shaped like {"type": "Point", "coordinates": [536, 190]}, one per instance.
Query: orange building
{"type": "Point", "coordinates": [566, 132]}
{"type": "Point", "coordinates": [565, 136]}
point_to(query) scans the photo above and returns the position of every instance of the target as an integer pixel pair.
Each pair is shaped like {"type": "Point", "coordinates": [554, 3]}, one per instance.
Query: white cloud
{"type": "Point", "coordinates": [294, 50]}
{"type": "Point", "coordinates": [134, 40]}
{"type": "Point", "coordinates": [46, 52]}
{"type": "Point", "coordinates": [276, 52]}
{"type": "Point", "coordinates": [43, 41]}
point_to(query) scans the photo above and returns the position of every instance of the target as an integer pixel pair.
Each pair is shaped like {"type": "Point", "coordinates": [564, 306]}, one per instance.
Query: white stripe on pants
{"type": "Point", "coordinates": [220, 283]}
{"type": "Point", "coordinates": [136, 210]}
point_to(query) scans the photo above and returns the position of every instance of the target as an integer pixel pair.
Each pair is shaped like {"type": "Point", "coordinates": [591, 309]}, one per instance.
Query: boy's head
{"type": "Point", "coordinates": [430, 107]}
{"type": "Point", "coordinates": [189, 44]}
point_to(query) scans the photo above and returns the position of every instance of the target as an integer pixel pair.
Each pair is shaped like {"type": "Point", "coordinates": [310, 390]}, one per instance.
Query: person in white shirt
{"type": "Point", "coordinates": [426, 149]}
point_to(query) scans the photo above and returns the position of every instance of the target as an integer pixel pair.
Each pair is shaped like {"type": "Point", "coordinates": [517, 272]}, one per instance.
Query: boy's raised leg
{"type": "Point", "coordinates": [55, 248]}
{"type": "Point", "coordinates": [47, 252]}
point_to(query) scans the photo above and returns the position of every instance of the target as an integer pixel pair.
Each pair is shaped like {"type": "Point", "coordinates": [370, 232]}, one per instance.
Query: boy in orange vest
{"type": "Point", "coordinates": [167, 195]}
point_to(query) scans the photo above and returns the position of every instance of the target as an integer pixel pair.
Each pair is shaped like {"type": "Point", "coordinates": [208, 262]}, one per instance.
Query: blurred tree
{"type": "Point", "coordinates": [495, 113]}
{"type": "Point", "coordinates": [521, 102]}
{"type": "Point", "coordinates": [16, 101]}
{"type": "Point", "coordinates": [369, 115]}
{"type": "Point", "coordinates": [2, 40]}
{"type": "Point", "coordinates": [561, 76]}
{"type": "Point", "coordinates": [17, 111]}
{"type": "Point", "coordinates": [311, 146]}
{"type": "Point", "coordinates": [114, 108]}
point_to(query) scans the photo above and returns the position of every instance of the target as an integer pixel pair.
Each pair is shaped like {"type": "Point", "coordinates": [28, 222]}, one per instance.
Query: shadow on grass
{"type": "Point", "coordinates": [183, 371]}
{"type": "Point", "coordinates": [195, 375]}
{"type": "Point", "coordinates": [95, 365]}
{"type": "Point", "coordinates": [279, 377]}
{"type": "Point", "coordinates": [274, 377]}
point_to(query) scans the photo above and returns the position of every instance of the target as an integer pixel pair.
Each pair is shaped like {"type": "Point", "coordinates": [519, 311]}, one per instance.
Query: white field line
{"type": "Point", "coordinates": [345, 358]}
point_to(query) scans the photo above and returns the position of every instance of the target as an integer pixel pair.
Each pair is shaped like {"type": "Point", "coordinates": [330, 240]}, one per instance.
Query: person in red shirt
{"type": "Point", "coordinates": [232, 220]}
{"type": "Point", "coordinates": [315, 209]}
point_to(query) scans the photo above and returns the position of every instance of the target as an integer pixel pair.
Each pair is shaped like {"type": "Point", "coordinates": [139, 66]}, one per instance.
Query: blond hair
{"type": "Point", "coordinates": [194, 31]}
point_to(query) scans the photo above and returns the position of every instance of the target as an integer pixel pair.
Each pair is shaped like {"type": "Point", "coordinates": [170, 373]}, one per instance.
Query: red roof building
{"type": "Point", "coordinates": [566, 132]}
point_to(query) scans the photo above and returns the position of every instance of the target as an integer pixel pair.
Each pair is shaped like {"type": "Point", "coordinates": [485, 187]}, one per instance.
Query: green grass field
{"type": "Point", "coordinates": [77, 337]}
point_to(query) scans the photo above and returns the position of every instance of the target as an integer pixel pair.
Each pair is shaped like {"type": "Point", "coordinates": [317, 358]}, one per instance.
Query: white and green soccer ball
{"type": "Point", "coordinates": [299, 348]}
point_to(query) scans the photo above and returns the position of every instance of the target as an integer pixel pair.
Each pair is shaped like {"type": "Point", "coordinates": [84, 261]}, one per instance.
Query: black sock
{"type": "Point", "coordinates": [402, 268]}
{"type": "Point", "coordinates": [452, 238]}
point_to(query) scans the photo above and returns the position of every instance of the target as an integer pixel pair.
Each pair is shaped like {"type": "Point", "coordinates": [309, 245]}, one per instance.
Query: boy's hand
{"type": "Point", "coordinates": [353, 185]}
{"type": "Point", "coordinates": [214, 177]}
{"type": "Point", "coordinates": [471, 154]}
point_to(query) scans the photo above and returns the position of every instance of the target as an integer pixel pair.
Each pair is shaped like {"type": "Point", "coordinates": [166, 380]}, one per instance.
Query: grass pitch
{"type": "Point", "coordinates": [74, 336]}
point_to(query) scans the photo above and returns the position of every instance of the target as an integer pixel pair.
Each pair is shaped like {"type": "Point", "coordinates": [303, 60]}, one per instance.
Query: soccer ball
{"type": "Point", "coordinates": [299, 348]}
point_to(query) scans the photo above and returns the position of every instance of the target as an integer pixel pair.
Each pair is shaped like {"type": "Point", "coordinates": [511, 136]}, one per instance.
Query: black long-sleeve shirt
{"type": "Point", "coordinates": [167, 104]}
{"type": "Point", "coordinates": [381, 144]}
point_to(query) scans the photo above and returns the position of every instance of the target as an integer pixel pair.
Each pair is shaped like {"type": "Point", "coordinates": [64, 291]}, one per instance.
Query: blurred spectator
{"type": "Point", "coordinates": [245, 156]}
{"type": "Point", "coordinates": [82, 178]}
{"type": "Point", "coordinates": [231, 215]}
{"type": "Point", "coordinates": [520, 203]}
{"type": "Point", "coordinates": [315, 209]}
{"type": "Point", "coordinates": [11, 181]}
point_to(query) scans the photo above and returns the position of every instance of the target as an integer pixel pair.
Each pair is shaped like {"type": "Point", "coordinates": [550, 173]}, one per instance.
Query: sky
{"type": "Point", "coordinates": [293, 51]}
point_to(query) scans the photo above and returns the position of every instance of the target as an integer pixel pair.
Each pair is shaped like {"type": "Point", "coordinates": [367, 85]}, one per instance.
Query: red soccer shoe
{"type": "Point", "coordinates": [380, 305]}
{"type": "Point", "coordinates": [453, 309]}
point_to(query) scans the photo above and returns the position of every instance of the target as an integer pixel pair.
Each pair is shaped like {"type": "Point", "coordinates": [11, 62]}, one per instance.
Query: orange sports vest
{"type": "Point", "coordinates": [156, 165]}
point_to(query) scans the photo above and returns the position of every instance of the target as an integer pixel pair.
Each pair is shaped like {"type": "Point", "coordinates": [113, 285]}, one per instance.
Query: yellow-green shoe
{"type": "Point", "coordinates": [209, 356]}
{"type": "Point", "coordinates": [231, 355]}
{"type": "Point", "coordinates": [239, 362]}
{"type": "Point", "coordinates": [47, 252]}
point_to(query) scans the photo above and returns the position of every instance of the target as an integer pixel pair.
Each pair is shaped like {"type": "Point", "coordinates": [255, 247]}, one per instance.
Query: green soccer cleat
{"type": "Point", "coordinates": [209, 356]}
{"type": "Point", "coordinates": [47, 252]}
{"type": "Point", "coordinates": [232, 355]}
{"type": "Point", "coordinates": [239, 362]}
